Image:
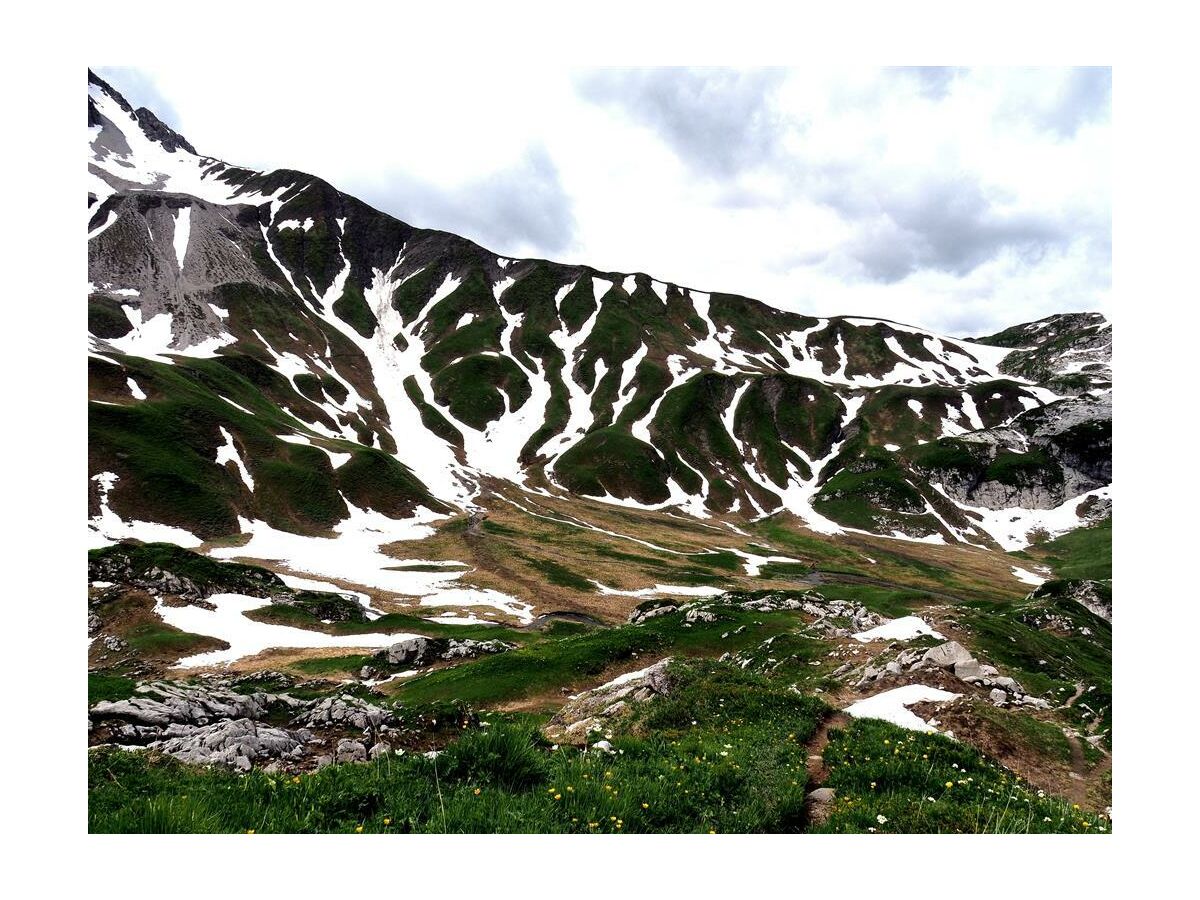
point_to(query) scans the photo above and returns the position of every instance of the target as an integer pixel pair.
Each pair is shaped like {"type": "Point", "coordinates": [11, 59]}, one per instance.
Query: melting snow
{"type": "Point", "coordinates": [183, 232]}
{"type": "Point", "coordinates": [227, 453]}
{"type": "Point", "coordinates": [626, 392]}
{"type": "Point", "coordinates": [905, 628]}
{"type": "Point", "coordinates": [1028, 577]}
{"type": "Point", "coordinates": [107, 527]}
{"type": "Point", "coordinates": [1011, 527]}
{"type": "Point", "coordinates": [523, 612]}
{"type": "Point", "coordinates": [754, 563]}
{"type": "Point", "coordinates": [355, 556]}
{"type": "Point", "coordinates": [892, 706]}
{"type": "Point", "coordinates": [247, 637]}
{"type": "Point", "coordinates": [153, 338]}
{"type": "Point", "coordinates": [691, 591]}
{"type": "Point", "coordinates": [295, 223]}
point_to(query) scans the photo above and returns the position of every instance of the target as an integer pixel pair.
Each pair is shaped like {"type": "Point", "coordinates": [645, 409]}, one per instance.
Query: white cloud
{"type": "Point", "coordinates": [962, 200]}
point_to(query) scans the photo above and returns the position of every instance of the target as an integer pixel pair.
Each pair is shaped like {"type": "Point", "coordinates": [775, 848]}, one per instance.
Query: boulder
{"type": "Point", "coordinates": [968, 669]}
{"type": "Point", "coordinates": [351, 751]}
{"type": "Point", "coordinates": [408, 652]}
{"type": "Point", "coordinates": [1009, 684]}
{"type": "Point", "coordinates": [998, 697]}
{"type": "Point", "coordinates": [946, 655]}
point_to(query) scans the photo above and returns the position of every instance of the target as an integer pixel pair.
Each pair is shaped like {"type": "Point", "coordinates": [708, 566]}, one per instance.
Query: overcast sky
{"type": "Point", "coordinates": [960, 200]}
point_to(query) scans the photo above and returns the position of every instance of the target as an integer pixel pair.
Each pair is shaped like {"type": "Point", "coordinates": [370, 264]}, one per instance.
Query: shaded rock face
{"type": "Point", "coordinates": [1089, 595]}
{"type": "Point", "coordinates": [158, 130]}
{"type": "Point", "coordinates": [1072, 439]}
{"type": "Point", "coordinates": [596, 710]}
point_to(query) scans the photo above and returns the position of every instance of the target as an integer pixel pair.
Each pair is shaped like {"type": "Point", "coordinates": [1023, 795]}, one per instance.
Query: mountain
{"type": "Point", "coordinates": [375, 506]}
{"type": "Point", "coordinates": [266, 348]}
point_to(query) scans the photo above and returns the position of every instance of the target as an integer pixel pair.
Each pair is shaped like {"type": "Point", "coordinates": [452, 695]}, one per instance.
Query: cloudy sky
{"type": "Point", "coordinates": [960, 200]}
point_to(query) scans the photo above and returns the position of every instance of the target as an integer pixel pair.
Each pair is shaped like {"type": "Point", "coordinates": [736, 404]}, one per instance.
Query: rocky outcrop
{"type": "Point", "coordinates": [344, 711]}
{"type": "Point", "coordinates": [214, 725]}
{"type": "Point", "coordinates": [1093, 596]}
{"type": "Point", "coordinates": [652, 610]}
{"type": "Point", "coordinates": [164, 703]}
{"type": "Point", "coordinates": [235, 742]}
{"type": "Point", "coordinates": [595, 711]}
{"type": "Point", "coordinates": [955, 659]}
{"type": "Point", "coordinates": [417, 652]}
{"type": "Point", "coordinates": [167, 570]}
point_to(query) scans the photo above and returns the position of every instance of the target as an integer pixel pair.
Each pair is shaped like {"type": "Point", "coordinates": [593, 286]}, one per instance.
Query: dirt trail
{"type": "Point", "coordinates": [1079, 688]}
{"type": "Point", "coordinates": [817, 770]}
{"type": "Point", "coordinates": [1077, 785]}
{"type": "Point", "coordinates": [816, 810]}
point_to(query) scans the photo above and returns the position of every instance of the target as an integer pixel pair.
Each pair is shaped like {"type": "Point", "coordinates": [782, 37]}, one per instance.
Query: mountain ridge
{"type": "Point", "coordinates": [552, 377]}
{"type": "Point", "coordinates": [374, 511]}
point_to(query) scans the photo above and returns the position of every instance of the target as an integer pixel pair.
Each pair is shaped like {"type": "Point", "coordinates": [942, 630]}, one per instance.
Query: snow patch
{"type": "Point", "coordinates": [228, 622]}
{"type": "Point", "coordinates": [108, 528]}
{"type": "Point", "coordinates": [905, 628]}
{"type": "Point", "coordinates": [1028, 577]}
{"type": "Point", "coordinates": [228, 453]}
{"type": "Point", "coordinates": [892, 706]}
{"type": "Point", "coordinates": [658, 589]}
{"type": "Point", "coordinates": [183, 233]}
